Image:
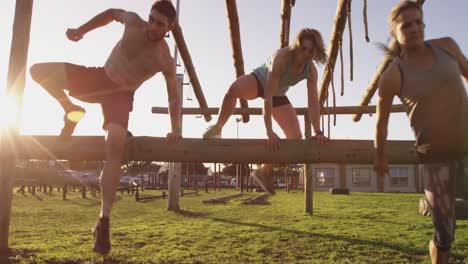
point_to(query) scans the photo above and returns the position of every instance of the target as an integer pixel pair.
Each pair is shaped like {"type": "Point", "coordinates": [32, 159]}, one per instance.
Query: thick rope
{"type": "Point", "coordinates": [340, 44]}
{"type": "Point", "coordinates": [323, 119]}
{"type": "Point", "coordinates": [366, 28]}
{"type": "Point", "coordinates": [328, 118]}
{"type": "Point", "coordinates": [334, 99]}
{"type": "Point", "coordinates": [351, 59]}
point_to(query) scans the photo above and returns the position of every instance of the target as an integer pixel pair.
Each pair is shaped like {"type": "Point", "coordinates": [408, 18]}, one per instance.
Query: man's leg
{"type": "Point", "coordinates": [245, 87]}
{"type": "Point", "coordinates": [53, 78]}
{"type": "Point", "coordinates": [439, 193]}
{"type": "Point", "coordinates": [110, 177]}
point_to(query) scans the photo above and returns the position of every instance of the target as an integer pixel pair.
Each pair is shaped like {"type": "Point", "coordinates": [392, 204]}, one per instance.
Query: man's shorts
{"type": "Point", "coordinates": [92, 85]}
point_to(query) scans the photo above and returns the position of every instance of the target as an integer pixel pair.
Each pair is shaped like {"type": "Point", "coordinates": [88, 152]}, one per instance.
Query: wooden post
{"type": "Point", "coordinates": [285, 180]}
{"type": "Point", "coordinates": [174, 186]}
{"type": "Point", "coordinates": [336, 36]}
{"type": "Point", "coordinates": [373, 85]}
{"type": "Point", "coordinates": [342, 169]}
{"type": "Point", "coordinates": [249, 179]}
{"type": "Point", "coordinates": [237, 176]}
{"type": "Point", "coordinates": [308, 178]}
{"type": "Point", "coordinates": [285, 22]}
{"type": "Point", "coordinates": [83, 192]}
{"type": "Point", "coordinates": [175, 169]}
{"type": "Point", "coordinates": [64, 192]}
{"type": "Point", "coordinates": [205, 177]}
{"type": "Point", "coordinates": [241, 177]}
{"type": "Point", "coordinates": [15, 88]}
{"type": "Point", "coordinates": [234, 29]}
{"type": "Point", "coordinates": [184, 53]}
{"type": "Point", "coordinates": [194, 177]}
{"type": "Point", "coordinates": [215, 173]}
{"type": "Point", "coordinates": [309, 190]}
{"type": "Point", "coordinates": [137, 195]}
{"type": "Point", "coordinates": [219, 176]}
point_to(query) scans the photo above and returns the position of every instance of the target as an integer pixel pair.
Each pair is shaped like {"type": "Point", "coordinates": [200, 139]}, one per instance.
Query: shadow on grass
{"type": "Point", "coordinates": [368, 217]}
{"type": "Point", "coordinates": [400, 248]}
{"type": "Point", "coordinates": [86, 202]}
{"type": "Point", "coordinates": [190, 214]}
{"type": "Point", "coordinates": [350, 240]}
{"type": "Point", "coordinates": [37, 197]}
{"type": "Point", "coordinates": [16, 255]}
{"type": "Point", "coordinates": [109, 259]}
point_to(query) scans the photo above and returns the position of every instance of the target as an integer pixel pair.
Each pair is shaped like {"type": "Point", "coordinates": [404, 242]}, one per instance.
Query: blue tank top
{"type": "Point", "coordinates": [286, 80]}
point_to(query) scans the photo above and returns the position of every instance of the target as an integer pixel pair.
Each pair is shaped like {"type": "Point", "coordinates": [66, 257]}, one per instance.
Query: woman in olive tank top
{"type": "Point", "coordinates": [427, 76]}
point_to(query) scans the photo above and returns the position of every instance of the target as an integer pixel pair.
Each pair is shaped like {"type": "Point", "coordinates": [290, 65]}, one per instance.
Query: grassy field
{"type": "Point", "coordinates": [359, 228]}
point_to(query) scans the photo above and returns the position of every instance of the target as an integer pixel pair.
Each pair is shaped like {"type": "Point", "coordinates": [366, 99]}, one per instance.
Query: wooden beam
{"type": "Point", "coordinates": [187, 59]}
{"type": "Point", "coordinates": [234, 29]}
{"type": "Point", "coordinates": [372, 88]}
{"type": "Point", "coordinates": [339, 110]}
{"type": "Point", "coordinates": [285, 22]}
{"type": "Point", "coordinates": [308, 178]}
{"type": "Point", "coordinates": [336, 36]}
{"type": "Point", "coordinates": [214, 150]}
{"type": "Point", "coordinates": [15, 88]}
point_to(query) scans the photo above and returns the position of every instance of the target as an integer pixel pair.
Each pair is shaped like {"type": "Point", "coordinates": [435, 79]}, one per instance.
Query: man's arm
{"type": "Point", "coordinates": [389, 85]}
{"type": "Point", "coordinates": [173, 96]}
{"type": "Point", "coordinates": [101, 20]}
{"type": "Point", "coordinates": [313, 104]}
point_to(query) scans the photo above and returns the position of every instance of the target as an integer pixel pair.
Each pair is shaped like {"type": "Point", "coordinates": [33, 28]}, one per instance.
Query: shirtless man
{"type": "Point", "coordinates": [140, 54]}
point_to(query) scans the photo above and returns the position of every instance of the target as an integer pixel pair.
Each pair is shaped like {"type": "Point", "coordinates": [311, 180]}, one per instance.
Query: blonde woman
{"type": "Point", "coordinates": [285, 68]}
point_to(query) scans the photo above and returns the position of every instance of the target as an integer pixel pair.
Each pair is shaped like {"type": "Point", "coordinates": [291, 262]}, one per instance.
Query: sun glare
{"type": "Point", "coordinates": [8, 111]}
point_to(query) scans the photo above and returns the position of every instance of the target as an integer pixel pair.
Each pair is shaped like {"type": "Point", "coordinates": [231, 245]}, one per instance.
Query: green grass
{"type": "Point", "coordinates": [359, 228]}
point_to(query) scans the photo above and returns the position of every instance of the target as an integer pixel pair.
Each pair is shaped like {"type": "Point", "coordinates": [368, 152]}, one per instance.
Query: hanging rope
{"type": "Point", "coordinates": [334, 98]}
{"type": "Point", "coordinates": [366, 29]}
{"type": "Point", "coordinates": [340, 46]}
{"type": "Point", "coordinates": [351, 60]}
{"type": "Point", "coordinates": [323, 119]}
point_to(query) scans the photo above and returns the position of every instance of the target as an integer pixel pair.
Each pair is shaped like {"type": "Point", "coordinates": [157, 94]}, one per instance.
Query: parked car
{"type": "Point", "coordinates": [126, 180]}
{"type": "Point", "coordinates": [137, 180]}
{"type": "Point", "coordinates": [224, 183]}
{"type": "Point", "coordinates": [233, 182]}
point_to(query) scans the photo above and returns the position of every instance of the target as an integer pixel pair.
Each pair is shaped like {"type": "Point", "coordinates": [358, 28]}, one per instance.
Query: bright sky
{"type": "Point", "coordinates": [205, 27]}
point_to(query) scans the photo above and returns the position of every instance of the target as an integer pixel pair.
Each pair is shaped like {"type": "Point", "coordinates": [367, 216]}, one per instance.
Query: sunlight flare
{"type": "Point", "coordinates": [9, 111]}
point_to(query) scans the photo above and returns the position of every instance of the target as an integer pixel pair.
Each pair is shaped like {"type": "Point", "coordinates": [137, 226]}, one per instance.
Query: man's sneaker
{"type": "Point", "coordinates": [70, 119]}
{"type": "Point", "coordinates": [265, 182]}
{"type": "Point", "coordinates": [212, 132]}
{"type": "Point", "coordinates": [101, 234]}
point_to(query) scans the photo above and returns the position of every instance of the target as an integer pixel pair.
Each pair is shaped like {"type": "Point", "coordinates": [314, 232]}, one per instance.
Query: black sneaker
{"type": "Point", "coordinates": [101, 234]}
